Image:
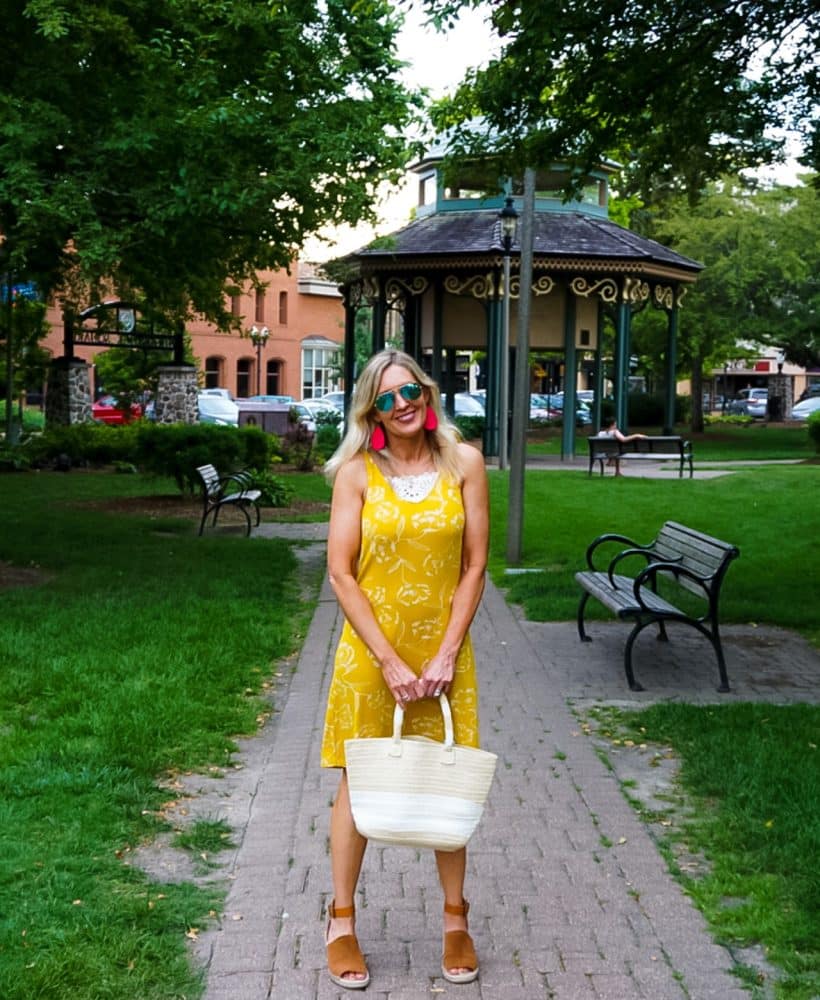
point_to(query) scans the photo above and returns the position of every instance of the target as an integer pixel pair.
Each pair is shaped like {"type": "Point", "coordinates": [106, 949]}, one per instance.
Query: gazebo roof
{"type": "Point", "coordinates": [559, 238]}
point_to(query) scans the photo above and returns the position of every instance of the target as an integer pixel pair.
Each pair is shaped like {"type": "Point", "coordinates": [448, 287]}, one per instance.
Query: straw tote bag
{"type": "Point", "coordinates": [417, 792]}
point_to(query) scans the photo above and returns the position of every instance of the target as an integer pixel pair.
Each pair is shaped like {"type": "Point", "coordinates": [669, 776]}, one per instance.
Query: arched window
{"type": "Point", "coordinates": [283, 308]}
{"type": "Point", "coordinates": [244, 367]}
{"type": "Point", "coordinates": [213, 372]}
{"type": "Point", "coordinates": [260, 305]}
{"type": "Point", "coordinates": [273, 378]}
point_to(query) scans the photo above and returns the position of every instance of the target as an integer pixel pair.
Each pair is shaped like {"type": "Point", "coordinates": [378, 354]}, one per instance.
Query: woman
{"type": "Point", "coordinates": [610, 430]}
{"type": "Point", "coordinates": [407, 553]}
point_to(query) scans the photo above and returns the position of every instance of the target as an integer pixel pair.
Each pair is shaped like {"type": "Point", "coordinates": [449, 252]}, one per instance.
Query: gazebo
{"type": "Point", "coordinates": [443, 273]}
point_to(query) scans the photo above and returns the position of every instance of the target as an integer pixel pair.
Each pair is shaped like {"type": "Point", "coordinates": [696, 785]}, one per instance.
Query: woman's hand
{"type": "Point", "coordinates": [403, 683]}
{"type": "Point", "coordinates": [437, 675]}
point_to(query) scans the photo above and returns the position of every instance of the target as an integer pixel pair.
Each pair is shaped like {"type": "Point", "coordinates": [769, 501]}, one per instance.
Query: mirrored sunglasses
{"type": "Point", "coordinates": [410, 391]}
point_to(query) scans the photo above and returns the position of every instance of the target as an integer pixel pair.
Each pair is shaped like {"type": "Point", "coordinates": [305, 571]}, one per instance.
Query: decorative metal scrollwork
{"type": "Point", "coordinates": [480, 286]}
{"type": "Point", "coordinates": [635, 290]}
{"type": "Point", "coordinates": [398, 289]}
{"type": "Point", "coordinates": [543, 286]}
{"type": "Point", "coordinates": [370, 290]}
{"type": "Point", "coordinates": [663, 296]}
{"type": "Point", "coordinates": [606, 289]}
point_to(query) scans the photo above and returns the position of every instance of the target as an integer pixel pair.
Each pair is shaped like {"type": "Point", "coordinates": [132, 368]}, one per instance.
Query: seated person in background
{"type": "Point", "coordinates": [610, 430]}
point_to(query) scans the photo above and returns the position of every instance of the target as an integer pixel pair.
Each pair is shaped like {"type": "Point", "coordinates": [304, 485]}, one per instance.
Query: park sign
{"type": "Point", "coordinates": [20, 290]}
{"type": "Point", "coordinates": [117, 324]}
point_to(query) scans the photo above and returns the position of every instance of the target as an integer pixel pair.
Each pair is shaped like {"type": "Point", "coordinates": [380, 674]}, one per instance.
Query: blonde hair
{"type": "Point", "coordinates": [361, 421]}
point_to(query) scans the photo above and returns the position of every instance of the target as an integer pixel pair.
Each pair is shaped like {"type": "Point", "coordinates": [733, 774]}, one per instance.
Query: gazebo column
{"type": "Point", "coordinates": [623, 324]}
{"type": "Point", "coordinates": [570, 378]}
{"type": "Point", "coordinates": [438, 338]}
{"type": "Point", "coordinates": [494, 346]}
{"type": "Point", "coordinates": [349, 363]}
{"type": "Point", "coordinates": [379, 319]}
{"type": "Point", "coordinates": [670, 368]}
{"type": "Point", "coordinates": [598, 377]}
{"type": "Point", "coordinates": [412, 327]}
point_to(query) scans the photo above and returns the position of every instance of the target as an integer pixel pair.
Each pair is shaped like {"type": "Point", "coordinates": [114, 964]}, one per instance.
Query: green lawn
{"type": "Point", "coordinates": [771, 513]}
{"type": "Point", "coordinates": [144, 652]}
{"type": "Point", "coordinates": [718, 443]}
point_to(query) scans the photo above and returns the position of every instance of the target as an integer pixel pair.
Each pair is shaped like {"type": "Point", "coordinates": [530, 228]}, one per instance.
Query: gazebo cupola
{"type": "Point", "coordinates": [443, 273]}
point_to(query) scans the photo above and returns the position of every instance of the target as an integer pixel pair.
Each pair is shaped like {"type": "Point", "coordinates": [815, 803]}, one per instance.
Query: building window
{"type": "Point", "coordinates": [243, 377]}
{"type": "Point", "coordinates": [427, 190]}
{"type": "Point", "coordinates": [260, 305]}
{"type": "Point", "coordinates": [213, 372]}
{"type": "Point", "coordinates": [235, 305]}
{"type": "Point", "coordinates": [273, 378]}
{"type": "Point", "coordinates": [320, 369]}
{"type": "Point", "coordinates": [283, 308]}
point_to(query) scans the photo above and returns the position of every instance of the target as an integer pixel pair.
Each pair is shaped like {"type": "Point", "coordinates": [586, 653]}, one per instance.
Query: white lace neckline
{"type": "Point", "coordinates": [414, 488]}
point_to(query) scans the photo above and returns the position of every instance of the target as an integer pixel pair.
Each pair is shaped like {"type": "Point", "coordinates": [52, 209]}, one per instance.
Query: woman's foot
{"type": "Point", "coordinates": [345, 962]}
{"type": "Point", "coordinates": [459, 963]}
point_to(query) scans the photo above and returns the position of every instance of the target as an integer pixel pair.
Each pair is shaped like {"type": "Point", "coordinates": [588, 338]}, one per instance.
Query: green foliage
{"type": "Point", "coordinates": [647, 409]}
{"type": "Point", "coordinates": [327, 440]}
{"type": "Point", "coordinates": [659, 87]}
{"type": "Point", "coordinates": [276, 491]}
{"type": "Point", "coordinates": [813, 427]}
{"type": "Point", "coordinates": [176, 450]}
{"type": "Point", "coordinates": [471, 428]}
{"type": "Point", "coordinates": [84, 444]}
{"type": "Point", "coordinates": [297, 447]}
{"type": "Point", "coordinates": [174, 146]}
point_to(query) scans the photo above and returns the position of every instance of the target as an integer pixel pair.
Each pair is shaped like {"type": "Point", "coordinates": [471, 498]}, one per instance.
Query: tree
{"type": "Point", "coordinates": [680, 92]}
{"type": "Point", "coordinates": [165, 148]}
{"type": "Point", "coordinates": [759, 285]}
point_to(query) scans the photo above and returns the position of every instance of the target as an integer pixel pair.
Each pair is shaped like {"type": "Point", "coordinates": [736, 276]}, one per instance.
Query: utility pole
{"type": "Point", "coordinates": [521, 384]}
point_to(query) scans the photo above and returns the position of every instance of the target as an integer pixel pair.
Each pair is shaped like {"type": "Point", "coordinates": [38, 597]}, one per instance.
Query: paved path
{"type": "Point", "coordinates": [556, 913]}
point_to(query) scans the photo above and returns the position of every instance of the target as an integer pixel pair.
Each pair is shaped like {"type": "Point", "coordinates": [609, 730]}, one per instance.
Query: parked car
{"type": "Point", "coordinates": [106, 411]}
{"type": "Point", "coordinates": [271, 398]}
{"type": "Point", "coordinates": [214, 408]}
{"type": "Point", "coordinates": [336, 399]}
{"type": "Point", "coordinates": [804, 409]}
{"type": "Point", "coordinates": [749, 402]}
{"type": "Point", "coordinates": [317, 406]}
{"type": "Point", "coordinates": [215, 391]}
{"type": "Point", "coordinates": [465, 405]}
{"type": "Point", "coordinates": [811, 390]}
{"type": "Point", "coordinates": [555, 401]}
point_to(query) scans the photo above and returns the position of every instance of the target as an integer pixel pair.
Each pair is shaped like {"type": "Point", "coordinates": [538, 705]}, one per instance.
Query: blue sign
{"type": "Point", "coordinates": [25, 290]}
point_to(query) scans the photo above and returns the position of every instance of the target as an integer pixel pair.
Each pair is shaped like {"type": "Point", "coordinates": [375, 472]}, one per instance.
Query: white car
{"type": "Point", "coordinates": [804, 409]}
{"type": "Point", "coordinates": [465, 404]}
{"type": "Point", "coordinates": [317, 406]}
{"type": "Point", "coordinates": [214, 408]}
{"type": "Point", "coordinates": [336, 399]}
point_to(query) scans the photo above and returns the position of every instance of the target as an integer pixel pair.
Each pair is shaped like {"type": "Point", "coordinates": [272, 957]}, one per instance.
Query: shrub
{"type": "Point", "coordinates": [84, 444]}
{"type": "Point", "coordinates": [813, 427]}
{"type": "Point", "coordinates": [276, 492]}
{"type": "Point", "coordinates": [297, 447]}
{"type": "Point", "coordinates": [327, 440]}
{"type": "Point", "coordinates": [177, 449]}
{"type": "Point", "coordinates": [471, 427]}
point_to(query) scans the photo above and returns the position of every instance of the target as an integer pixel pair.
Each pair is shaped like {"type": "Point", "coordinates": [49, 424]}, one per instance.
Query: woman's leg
{"type": "Point", "coordinates": [347, 847]}
{"type": "Point", "coordinates": [452, 867]}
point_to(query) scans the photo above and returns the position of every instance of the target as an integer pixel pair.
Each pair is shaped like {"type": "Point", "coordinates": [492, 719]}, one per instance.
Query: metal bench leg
{"type": "Point", "coordinates": [717, 645]}
{"type": "Point", "coordinates": [662, 636]}
{"type": "Point", "coordinates": [630, 676]}
{"type": "Point", "coordinates": [582, 634]}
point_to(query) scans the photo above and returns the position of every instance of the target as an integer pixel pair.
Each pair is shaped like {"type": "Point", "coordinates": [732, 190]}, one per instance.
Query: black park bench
{"type": "Point", "coordinates": [680, 555]}
{"type": "Point", "coordinates": [235, 490]}
{"type": "Point", "coordinates": [660, 448]}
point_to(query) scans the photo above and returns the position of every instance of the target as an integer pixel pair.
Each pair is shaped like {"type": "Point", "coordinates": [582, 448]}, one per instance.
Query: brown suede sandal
{"type": "Point", "coordinates": [459, 952]}
{"type": "Point", "coordinates": [344, 954]}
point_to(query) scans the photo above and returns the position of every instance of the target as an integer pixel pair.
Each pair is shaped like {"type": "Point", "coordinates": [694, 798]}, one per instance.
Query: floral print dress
{"type": "Point", "coordinates": [409, 568]}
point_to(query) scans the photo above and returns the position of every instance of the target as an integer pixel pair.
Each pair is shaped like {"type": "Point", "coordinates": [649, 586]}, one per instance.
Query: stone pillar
{"type": "Point", "coordinates": [176, 395]}
{"type": "Point", "coordinates": [68, 392]}
{"type": "Point", "coordinates": [781, 396]}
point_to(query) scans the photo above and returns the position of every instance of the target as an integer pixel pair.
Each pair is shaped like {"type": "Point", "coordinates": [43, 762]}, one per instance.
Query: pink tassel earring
{"type": "Point", "coordinates": [377, 438]}
{"type": "Point", "coordinates": [431, 420]}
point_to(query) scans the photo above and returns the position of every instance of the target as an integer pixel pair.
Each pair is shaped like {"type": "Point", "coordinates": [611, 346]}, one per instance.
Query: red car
{"type": "Point", "coordinates": [105, 411]}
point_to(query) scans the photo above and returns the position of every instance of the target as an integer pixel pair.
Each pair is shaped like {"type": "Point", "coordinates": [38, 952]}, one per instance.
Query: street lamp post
{"type": "Point", "coordinates": [508, 217]}
{"type": "Point", "coordinates": [259, 339]}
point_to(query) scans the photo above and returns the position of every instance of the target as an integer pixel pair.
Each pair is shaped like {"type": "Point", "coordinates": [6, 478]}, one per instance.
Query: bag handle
{"type": "Point", "coordinates": [444, 704]}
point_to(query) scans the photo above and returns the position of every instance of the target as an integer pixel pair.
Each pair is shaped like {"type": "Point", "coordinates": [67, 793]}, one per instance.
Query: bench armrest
{"type": "Point", "coordinates": [647, 551]}
{"type": "Point", "coordinates": [649, 576]}
{"type": "Point", "coordinates": [601, 539]}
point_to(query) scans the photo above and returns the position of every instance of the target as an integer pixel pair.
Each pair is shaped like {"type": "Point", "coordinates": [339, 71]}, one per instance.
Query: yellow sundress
{"type": "Point", "coordinates": [409, 567]}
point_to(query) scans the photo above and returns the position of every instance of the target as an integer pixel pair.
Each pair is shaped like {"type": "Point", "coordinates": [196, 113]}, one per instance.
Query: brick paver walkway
{"type": "Point", "coordinates": [570, 898]}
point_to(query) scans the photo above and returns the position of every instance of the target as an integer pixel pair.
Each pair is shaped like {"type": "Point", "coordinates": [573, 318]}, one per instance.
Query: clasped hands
{"type": "Point", "coordinates": [405, 686]}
